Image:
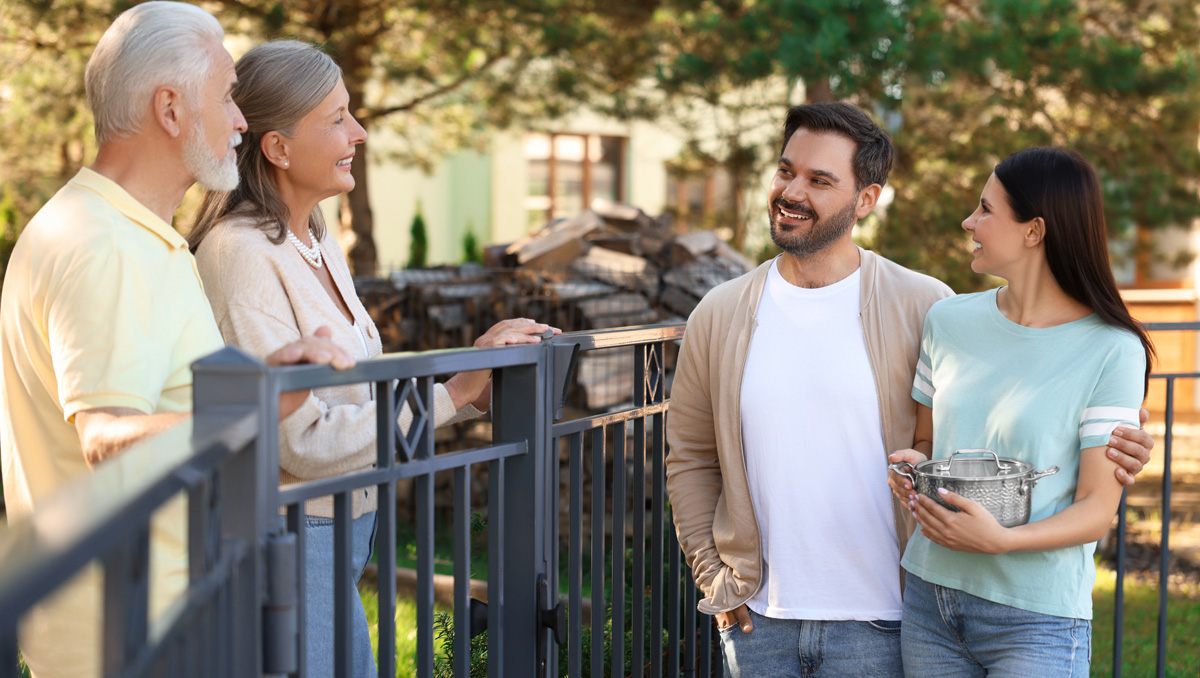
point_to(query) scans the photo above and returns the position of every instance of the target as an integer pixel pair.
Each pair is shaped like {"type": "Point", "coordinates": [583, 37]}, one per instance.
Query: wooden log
{"type": "Point", "coordinates": [443, 588]}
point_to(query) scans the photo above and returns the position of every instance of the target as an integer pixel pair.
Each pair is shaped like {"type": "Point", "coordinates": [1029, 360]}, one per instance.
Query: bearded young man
{"type": "Point", "coordinates": [792, 385]}
{"type": "Point", "coordinates": [103, 311]}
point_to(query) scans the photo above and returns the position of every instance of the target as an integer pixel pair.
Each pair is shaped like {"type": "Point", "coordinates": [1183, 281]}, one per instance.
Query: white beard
{"type": "Point", "coordinates": [211, 172]}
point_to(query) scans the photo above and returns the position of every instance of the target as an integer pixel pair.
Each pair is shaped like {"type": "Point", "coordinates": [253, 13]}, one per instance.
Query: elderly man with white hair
{"type": "Point", "coordinates": [103, 311]}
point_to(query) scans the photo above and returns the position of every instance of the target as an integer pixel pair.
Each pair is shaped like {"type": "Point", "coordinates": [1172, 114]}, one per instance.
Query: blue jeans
{"type": "Point", "coordinates": [795, 648]}
{"type": "Point", "coordinates": [318, 596]}
{"type": "Point", "coordinates": [951, 633]}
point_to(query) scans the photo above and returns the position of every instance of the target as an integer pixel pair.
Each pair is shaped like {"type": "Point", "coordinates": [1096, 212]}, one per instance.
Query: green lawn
{"type": "Point", "coordinates": [1141, 620]}
{"type": "Point", "coordinates": [1141, 629]}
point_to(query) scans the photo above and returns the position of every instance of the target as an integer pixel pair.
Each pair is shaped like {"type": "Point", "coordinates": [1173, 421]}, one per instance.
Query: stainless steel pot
{"type": "Point", "coordinates": [1002, 486]}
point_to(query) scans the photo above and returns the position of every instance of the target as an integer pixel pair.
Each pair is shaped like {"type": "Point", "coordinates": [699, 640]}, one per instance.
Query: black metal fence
{"type": "Point", "coordinates": [228, 468]}
{"type": "Point", "coordinates": [1122, 527]}
{"type": "Point", "coordinates": [580, 551]}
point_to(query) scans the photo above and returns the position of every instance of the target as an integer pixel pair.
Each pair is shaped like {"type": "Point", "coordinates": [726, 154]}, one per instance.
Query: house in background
{"type": "Point", "coordinates": [1162, 288]}
{"type": "Point", "coordinates": [525, 179]}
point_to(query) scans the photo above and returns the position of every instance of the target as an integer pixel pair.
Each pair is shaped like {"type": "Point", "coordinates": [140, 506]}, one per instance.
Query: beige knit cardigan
{"type": "Point", "coordinates": [264, 296]}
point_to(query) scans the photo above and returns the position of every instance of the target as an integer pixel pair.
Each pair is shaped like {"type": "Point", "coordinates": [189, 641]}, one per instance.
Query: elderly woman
{"type": "Point", "coordinates": [273, 274]}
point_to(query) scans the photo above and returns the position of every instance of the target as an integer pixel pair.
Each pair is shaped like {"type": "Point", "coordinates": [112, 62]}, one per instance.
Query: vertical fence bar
{"type": "Point", "coordinates": [1119, 598]}
{"type": "Point", "coordinates": [385, 549]}
{"type": "Point", "coordinates": [638, 603]}
{"type": "Point", "coordinates": [689, 623]}
{"type": "Point", "coordinates": [497, 548]}
{"type": "Point", "coordinates": [462, 571]}
{"type": "Point", "coordinates": [1164, 567]}
{"type": "Point", "coordinates": [8, 651]}
{"type": "Point", "coordinates": [295, 524]}
{"type": "Point", "coordinates": [706, 647]}
{"type": "Point", "coordinates": [343, 549]}
{"type": "Point", "coordinates": [424, 597]}
{"type": "Point", "coordinates": [674, 577]}
{"type": "Point", "coordinates": [575, 558]}
{"type": "Point", "coordinates": [126, 600]}
{"type": "Point", "coordinates": [598, 602]}
{"type": "Point", "coordinates": [657, 543]}
{"type": "Point", "coordinates": [385, 536]}
{"type": "Point", "coordinates": [618, 551]}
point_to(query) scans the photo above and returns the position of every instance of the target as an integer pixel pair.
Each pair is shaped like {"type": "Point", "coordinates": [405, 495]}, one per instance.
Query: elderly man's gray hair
{"type": "Point", "coordinates": [148, 46]}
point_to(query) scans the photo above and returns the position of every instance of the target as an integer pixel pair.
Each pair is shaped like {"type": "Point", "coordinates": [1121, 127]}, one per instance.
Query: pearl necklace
{"type": "Point", "coordinates": [311, 254]}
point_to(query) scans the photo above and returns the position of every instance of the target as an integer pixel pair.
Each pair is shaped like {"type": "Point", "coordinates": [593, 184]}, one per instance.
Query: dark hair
{"type": "Point", "coordinates": [873, 159]}
{"type": "Point", "coordinates": [1058, 185]}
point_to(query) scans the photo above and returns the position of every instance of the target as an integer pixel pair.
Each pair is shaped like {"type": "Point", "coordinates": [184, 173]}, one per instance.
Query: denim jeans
{"type": "Point", "coordinates": [948, 632]}
{"type": "Point", "coordinates": [318, 596]}
{"type": "Point", "coordinates": [795, 648]}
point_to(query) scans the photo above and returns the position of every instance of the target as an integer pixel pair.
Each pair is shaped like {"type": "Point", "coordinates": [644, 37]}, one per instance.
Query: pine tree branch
{"type": "Point", "coordinates": [375, 114]}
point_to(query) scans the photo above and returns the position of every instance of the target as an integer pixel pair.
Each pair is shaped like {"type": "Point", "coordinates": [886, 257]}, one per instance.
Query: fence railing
{"type": "Point", "coordinates": [243, 608]}
{"type": "Point", "coordinates": [584, 575]}
{"type": "Point", "coordinates": [1170, 378]}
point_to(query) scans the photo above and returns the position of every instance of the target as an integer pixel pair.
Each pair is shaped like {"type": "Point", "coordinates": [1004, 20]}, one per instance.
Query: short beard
{"type": "Point", "coordinates": [211, 172]}
{"type": "Point", "coordinates": [819, 236]}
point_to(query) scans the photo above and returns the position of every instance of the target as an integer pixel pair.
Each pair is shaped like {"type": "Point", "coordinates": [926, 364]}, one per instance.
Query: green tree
{"type": "Point", "coordinates": [960, 85]}
{"type": "Point", "coordinates": [418, 244]}
{"type": "Point", "coordinates": [470, 246]}
{"type": "Point", "coordinates": [437, 74]}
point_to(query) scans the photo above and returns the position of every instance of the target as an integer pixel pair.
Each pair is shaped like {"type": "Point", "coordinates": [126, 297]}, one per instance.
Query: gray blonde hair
{"type": "Point", "coordinates": [148, 46]}
{"type": "Point", "coordinates": [279, 82]}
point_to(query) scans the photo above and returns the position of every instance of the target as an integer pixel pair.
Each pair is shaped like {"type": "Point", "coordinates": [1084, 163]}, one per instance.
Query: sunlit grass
{"type": "Point", "coordinates": [1139, 651]}
{"type": "Point", "coordinates": [1141, 624]}
{"type": "Point", "coordinates": [406, 630]}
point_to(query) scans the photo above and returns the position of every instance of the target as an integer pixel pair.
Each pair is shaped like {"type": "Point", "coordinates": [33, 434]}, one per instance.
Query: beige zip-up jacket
{"type": "Point", "coordinates": [706, 470]}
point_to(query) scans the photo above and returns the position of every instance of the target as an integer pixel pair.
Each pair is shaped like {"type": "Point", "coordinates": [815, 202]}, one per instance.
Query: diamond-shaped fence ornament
{"type": "Point", "coordinates": [407, 443]}
{"type": "Point", "coordinates": [653, 372]}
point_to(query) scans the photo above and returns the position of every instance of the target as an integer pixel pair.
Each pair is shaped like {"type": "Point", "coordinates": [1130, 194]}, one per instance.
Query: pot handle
{"type": "Point", "coordinates": [975, 451]}
{"type": "Point", "coordinates": [901, 464]}
{"type": "Point", "coordinates": [1038, 475]}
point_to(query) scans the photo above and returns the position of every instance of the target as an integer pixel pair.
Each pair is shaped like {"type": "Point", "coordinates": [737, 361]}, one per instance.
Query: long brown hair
{"type": "Point", "coordinates": [1060, 186]}
{"type": "Point", "coordinates": [279, 82]}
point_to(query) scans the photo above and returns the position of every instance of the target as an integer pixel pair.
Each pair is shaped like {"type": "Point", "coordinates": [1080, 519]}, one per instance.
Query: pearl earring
{"type": "Point", "coordinates": [286, 164]}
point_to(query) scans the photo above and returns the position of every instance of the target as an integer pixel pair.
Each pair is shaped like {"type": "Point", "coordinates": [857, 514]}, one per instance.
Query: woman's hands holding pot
{"type": "Point", "coordinates": [902, 488]}
{"type": "Point", "coordinates": [973, 530]}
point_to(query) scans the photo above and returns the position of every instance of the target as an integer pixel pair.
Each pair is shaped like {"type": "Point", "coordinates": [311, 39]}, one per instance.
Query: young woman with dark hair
{"type": "Point", "coordinates": [1041, 370]}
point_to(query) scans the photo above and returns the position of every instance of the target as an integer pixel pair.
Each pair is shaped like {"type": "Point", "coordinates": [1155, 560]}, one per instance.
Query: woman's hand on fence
{"type": "Point", "coordinates": [902, 488]}
{"type": "Point", "coordinates": [475, 387]}
{"type": "Point", "coordinates": [1130, 448]}
{"type": "Point", "coordinates": [973, 530]}
{"type": "Point", "coordinates": [514, 331]}
{"type": "Point", "coordinates": [317, 349]}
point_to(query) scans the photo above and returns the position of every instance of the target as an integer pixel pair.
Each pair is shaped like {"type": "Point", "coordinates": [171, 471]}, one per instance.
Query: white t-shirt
{"type": "Point", "coordinates": [815, 460]}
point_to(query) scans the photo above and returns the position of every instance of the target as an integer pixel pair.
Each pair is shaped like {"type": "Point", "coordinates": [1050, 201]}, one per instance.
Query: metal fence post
{"type": "Point", "coordinates": [230, 380]}
{"type": "Point", "coordinates": [519, 403]}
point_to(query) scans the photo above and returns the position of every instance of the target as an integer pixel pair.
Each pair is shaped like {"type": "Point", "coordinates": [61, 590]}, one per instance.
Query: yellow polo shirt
{"type": "Point", "coordinates": [102, 307]}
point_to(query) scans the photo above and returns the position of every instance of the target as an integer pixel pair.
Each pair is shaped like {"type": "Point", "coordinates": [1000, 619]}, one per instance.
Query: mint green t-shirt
{"type": "Point", "coordinates": [1040, 395]}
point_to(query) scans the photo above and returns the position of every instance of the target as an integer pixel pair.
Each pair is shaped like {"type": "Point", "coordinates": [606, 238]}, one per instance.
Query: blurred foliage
{"type": "Point", "coordinates": [470, 246]}
{"type": "Point", "coordinates": [418, 247]}
{"type": "Point", "coordinates": [959, 83]}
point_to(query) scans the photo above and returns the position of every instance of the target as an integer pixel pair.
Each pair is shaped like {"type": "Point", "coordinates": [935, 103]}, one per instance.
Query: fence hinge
{"type": "Point", "coordinates": [280, 615]}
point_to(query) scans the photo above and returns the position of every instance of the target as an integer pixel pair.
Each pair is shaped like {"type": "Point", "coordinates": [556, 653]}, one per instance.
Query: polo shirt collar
{"type": "Point", "coordinates": [118, 197]}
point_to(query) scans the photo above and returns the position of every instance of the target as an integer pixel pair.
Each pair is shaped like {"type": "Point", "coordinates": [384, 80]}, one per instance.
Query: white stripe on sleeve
{"type": "Point", "coordinates": [923, 386]}
{"type": "Point", "coordinates": [1124, 414]}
